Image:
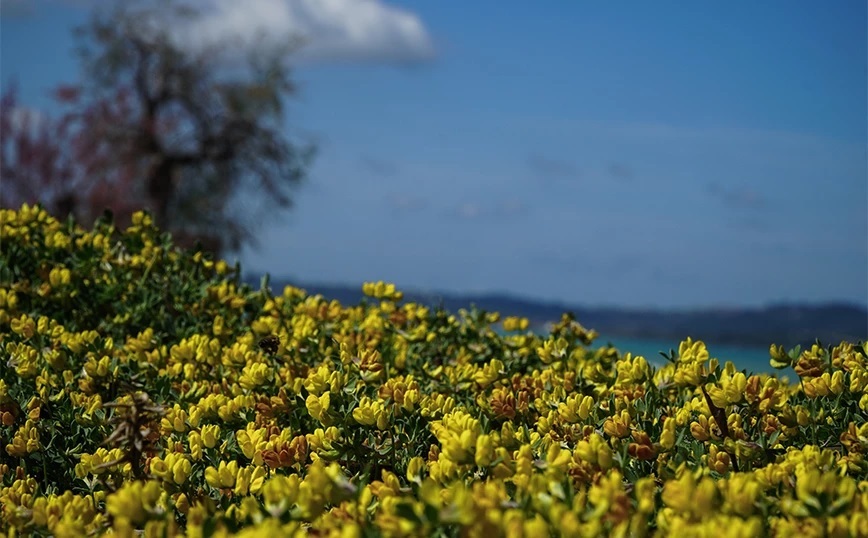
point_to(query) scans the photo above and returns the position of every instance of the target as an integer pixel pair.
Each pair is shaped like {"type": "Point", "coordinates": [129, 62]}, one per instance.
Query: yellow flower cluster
{"type": "Point", "coordinates": [382, 290]}
{"type": "Point", "coordinates": [145, 390]}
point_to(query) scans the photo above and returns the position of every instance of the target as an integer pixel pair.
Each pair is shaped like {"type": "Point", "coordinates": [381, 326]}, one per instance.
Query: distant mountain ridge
{"type": "Point", "coordinates": [786, 324]}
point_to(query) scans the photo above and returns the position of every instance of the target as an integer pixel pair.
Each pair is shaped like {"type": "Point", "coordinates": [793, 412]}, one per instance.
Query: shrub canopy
{"type": "Point", "coordinates": [145, 388]}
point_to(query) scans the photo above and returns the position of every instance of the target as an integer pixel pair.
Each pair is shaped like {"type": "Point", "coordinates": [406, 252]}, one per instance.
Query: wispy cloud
{"type": "Point", "coordinates": [504, 209]}
{"type": "Point", "coordinates": [512, 207]}
{"type": "Point", "coordinates": [666, 134]}
{"type": "Point", "coordinates": [772, 142]}
{"type": "Point", "coordinates": [378, 167]}
{"type": "Point", "coordinates": [753, 223]}
{"type": "Point", "coordinates": [603, 265]}
{"type": "Point", "coordinates": [737, 197]}
{"type": "Point", "coordinates": [13, 8]}
{"type": "Point", "coordinates": [400, 203]}
{"type": "Point", "coordinates": [621, 171]}
{"type": "Point", "coordinates": [469, 210]}
{"type": "Point", "coordinates": [549, 168]}
{"type": "Point", "coordinates": [329, 30]}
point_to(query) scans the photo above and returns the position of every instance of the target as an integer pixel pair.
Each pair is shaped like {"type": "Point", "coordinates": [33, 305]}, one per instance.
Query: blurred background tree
{"type": "Point", "coordinates": [196, 135]}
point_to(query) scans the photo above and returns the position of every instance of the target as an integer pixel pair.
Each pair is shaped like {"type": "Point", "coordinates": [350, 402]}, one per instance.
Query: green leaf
{"type": "Point", "coordinates": [779, 364]}
{"type": "Point", "coordinates": [431, 514]}
{"type": "Point", "coordinates": [405, 511]}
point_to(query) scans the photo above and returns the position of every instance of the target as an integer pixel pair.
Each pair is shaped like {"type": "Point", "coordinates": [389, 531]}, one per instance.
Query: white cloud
{"type": "Point", "coordinates": [329, 30]}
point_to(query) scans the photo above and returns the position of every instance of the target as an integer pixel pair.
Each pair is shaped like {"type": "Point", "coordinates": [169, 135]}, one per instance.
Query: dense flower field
{"type": "Point", "coordinates": [145, 389]}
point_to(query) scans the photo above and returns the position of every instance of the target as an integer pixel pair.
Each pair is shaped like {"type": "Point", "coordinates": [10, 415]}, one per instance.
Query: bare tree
{"type": "Point", "coordinates": [33, 162]}
{"type": "Point", "coordinates": [197, 136]}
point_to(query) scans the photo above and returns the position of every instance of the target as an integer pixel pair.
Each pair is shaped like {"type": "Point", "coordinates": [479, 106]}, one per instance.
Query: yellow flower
{"type": "Point", "coordinates": [718, 460]}
{"type": "Point", "coordinates": [322, 441]}
{"type": "Point", "coordinates": [25, 441]}
{"type": "Point", "coordinates": [254, 375]}
{"type": "Point", "coordinates": [837, 382]}
{"type": "Point", "coordinates": [779, 358]}
{"type": "Point", "coordinates": [280, 492]}
{"type": "Point", "coordinates": [576, 408]}
{"type": "Point", "coordinates": [557, 462]}
{"type": "Point", "coordinates": [595, 451]}
{"type": "Point", "coordinates": [536, 527]}
{"type": "Point", "coordinates": [414, 469]}
{"type": "Point", "coordinates": [134, 501]}
{"type": "Point", "coordinates": [700, 428]}
{"type": "Point", "coordinates": [457, 433]}
{"type": "Point", "coordinates": [514, 323]}
{"type": "Point", "coordinates": [210, 435]}
{"type": "Point", "coordinates": [24, 326]}
{"type": "Point", "coordinates": [667, 436]}
{"type": "Point", "coordinates": [370, 412]}
{"type": "Point", "coordinates": [690, 351]}
{"type": "Point", "coordinates": [645, 491]}
{"type": "Point", "coordinates": [159, 468]}
{"type": "Point", "coordinates": [818, 386]}
{"type": "Point", "coordinates": [618, 425]}
{"type": "Point", "coordinates": [318, 407]}
{"type": "Point", "coordinates": [688, 496]}
{"type": "Point", "coordinates": [142, 219]}
{"type": "Point", "coordinates": [609, 499]}
{"type": "Point", "coordinates": [730, 388]}
{"type": "Point", "coordinates": [552, 350]}
{"type": "Point", "coordinates": [317, 381]}
{"type": "Point", "coordinates": [181, 468]}
{"type": "Point", "coordinates": [632, 370]}
{"type": "Point", "coordinates": [741, 492]}
{"type": "Point", "coordinates": [489, 373]}
{"type": "Point", "coordinates": [252, 442]}
{"type": "Point", "coordinates": [223, 476]}
{"type": "Point", "coordinates": [382, 290]}
{"type": "Point", "coordinates": [194, 441]}
{"type": "Point", "coordinates": [249, 480]}
{"type": "Point", "coordinates": [59, 276]}
{"type": "Point", "coordinates": [484, 451]}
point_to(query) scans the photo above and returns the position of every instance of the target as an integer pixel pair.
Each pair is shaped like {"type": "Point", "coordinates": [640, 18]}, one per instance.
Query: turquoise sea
{"type": "Point", "coordinates": [754, 360]}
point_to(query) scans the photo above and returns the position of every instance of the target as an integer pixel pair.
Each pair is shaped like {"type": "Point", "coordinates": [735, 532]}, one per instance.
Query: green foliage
{"type": "Point", "coordinates": [145, 388]}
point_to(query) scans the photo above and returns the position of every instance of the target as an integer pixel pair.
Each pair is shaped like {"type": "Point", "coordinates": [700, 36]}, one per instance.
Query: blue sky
{"type": "Point", "coordinates": [645, 154]}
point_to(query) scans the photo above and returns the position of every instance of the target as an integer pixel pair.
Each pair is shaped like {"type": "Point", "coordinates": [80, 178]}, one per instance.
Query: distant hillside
{"type": "Point", "coordinates": [787, 324]}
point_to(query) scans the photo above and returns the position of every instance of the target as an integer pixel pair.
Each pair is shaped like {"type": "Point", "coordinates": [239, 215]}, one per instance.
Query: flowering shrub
{"type": "Point", "coordinates": [145, 389]}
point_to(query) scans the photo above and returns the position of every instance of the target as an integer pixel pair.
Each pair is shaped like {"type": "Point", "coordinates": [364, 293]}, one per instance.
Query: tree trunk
{"type": "Point", "coordinates": [161, 188]}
